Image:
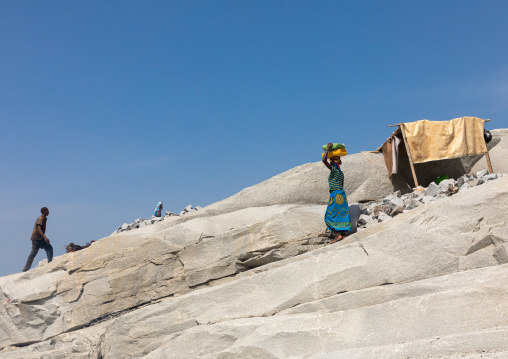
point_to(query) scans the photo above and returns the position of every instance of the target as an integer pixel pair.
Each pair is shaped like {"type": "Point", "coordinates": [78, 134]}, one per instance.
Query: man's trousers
{"type": "Point", "coordinates": [36, 244]}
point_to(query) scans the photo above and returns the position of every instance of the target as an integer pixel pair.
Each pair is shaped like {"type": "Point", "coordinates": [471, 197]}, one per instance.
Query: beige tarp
{"type": "Point", "coordinates": [438, 140]}
{"type": "Point", "coordinates": [390, 151]}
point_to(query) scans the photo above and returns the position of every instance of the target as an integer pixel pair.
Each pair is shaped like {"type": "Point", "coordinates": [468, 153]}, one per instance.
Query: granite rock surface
{"type": "Point", "coordinates": [253, 276]}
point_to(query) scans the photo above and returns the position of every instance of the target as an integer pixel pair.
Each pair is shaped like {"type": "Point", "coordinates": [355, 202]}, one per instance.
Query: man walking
{"type": "Point", "coordinates": [39, 239]}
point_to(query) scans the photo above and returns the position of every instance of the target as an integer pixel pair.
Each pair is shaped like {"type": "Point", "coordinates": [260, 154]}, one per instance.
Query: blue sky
{"type": "Point", "coordinates": [107, 107]}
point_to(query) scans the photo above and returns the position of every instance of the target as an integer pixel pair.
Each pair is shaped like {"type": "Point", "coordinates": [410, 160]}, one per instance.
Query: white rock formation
{"type": "Point", "coordinates": [365, 179]}
{"type": "Point", "coordinates": [235, 280]}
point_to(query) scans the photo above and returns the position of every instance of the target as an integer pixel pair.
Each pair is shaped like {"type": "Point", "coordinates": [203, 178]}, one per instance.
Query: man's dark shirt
{"type": "Point", "coordinates": [41, 221]}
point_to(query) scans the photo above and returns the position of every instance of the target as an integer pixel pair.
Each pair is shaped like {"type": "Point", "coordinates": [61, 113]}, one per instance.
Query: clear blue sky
{"type": "Point", "coordinates": [107, 107]}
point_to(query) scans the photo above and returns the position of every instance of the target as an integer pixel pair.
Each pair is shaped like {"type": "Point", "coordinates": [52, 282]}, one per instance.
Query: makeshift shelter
{"type": "Point", "coordinates": [426, 141]}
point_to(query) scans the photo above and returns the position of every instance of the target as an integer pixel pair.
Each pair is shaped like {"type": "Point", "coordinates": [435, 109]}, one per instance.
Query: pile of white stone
{"type": "Point", "coordinates": [143, 222]}
{"type": "Point", "coordinates": [394, 204]}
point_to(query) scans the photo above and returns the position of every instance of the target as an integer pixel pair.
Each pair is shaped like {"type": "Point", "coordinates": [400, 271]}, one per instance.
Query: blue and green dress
{"type": "Point", "coordinates": [337, 214]}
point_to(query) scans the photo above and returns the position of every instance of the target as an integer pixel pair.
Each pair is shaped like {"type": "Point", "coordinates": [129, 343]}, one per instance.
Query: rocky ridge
{"type": "Point", "coordinates": [240, 281]}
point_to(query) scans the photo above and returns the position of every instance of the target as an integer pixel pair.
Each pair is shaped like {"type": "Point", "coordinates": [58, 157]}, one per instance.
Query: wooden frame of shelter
{"type": "Point", "coordinates": [401, 132]}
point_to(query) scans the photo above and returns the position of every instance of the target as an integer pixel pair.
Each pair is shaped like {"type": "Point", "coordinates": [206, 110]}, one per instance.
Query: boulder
{"type": "Point", "coordinates": [461, 180]}
{"type": "Point", "coordinates": [427, 199]}
{"type": "Point", "coordinates": [432, 190]}
{"type": "Point", "coordinates": [396, 211]}
{"type": "Point", "coordinates": [482, 173]}
{"type": "Point", "coordinates": [396, 202]}
{"type": "Point", "coordinates": [412, 204]}
{"type": "Point", "coordinates": [366, 220]}
{"type": "Point", "coordinates": [365, 179]}
{"type": "Point", "coordinates": [388, 198]}
{"type": "Point", "coordinates": [383, 217]}
{"type": "Point", "coordinates": [464, 187]}
{"type": "Point", "coordinates": [474, 182]}
{"type": "Point", "coordinates": [443, 185]}
{"type": "Point", "coordinates": [490, 177]}
{"type": "Point", "coordinates": [386, 209]}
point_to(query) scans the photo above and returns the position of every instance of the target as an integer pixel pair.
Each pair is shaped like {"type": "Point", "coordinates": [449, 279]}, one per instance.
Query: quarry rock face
{"type": "Point", "coordinates": [385, 285]}
{"type": "Point", "coordinates": [234, 280]}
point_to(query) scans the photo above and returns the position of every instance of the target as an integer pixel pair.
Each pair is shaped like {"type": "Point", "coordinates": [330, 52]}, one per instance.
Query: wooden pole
{"type": "Point", "coordinates": [487, 153]}
{"type": "Point", "coordinates": [488, 162]}
{"type": "Point", "coordinates": [403, 131]}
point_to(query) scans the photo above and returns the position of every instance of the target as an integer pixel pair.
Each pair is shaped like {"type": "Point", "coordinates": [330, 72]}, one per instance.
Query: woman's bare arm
{"type": "Point", "coordinates": [325, 157]}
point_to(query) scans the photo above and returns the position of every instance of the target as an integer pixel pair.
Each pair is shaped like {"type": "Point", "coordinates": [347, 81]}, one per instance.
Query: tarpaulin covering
{"type": "Point", "coordinates": [439, 140]}
{"type": "Point", "coordinates": [390, 151]}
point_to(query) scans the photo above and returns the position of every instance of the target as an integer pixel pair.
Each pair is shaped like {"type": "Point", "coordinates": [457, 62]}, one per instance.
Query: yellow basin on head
{"type": "Point", "coordinates": [340, 152]}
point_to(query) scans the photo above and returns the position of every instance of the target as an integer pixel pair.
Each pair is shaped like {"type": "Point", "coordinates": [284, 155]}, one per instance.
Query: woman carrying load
{"type": "Point", "coordinates": [337, 214]}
